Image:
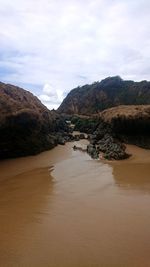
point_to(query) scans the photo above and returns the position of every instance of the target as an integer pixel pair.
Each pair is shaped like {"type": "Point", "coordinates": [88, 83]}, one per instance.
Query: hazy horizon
{"type": "Point", "coordinates": [51, 47]}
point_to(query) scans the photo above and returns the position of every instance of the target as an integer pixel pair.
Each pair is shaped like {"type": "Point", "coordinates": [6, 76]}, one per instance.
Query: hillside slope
{"type": "Point", "coordinates": [132, 112]}
{"type": "Point", "coordinates": [110, 92]}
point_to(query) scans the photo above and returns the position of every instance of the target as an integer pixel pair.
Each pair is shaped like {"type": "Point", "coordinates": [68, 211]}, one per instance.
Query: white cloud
{"type": "Point", "coordinates": [51, 97]}
{"type": "Point", "coordinates": [58, 45]}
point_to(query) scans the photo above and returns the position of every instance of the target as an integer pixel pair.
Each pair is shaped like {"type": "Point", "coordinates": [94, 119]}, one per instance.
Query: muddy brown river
{"type": "Point", "coordinates": [63, 209]}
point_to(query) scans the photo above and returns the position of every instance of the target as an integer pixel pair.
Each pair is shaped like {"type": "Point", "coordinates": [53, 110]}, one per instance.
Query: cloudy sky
{"type": "Point", "coordinates": [52, 46]}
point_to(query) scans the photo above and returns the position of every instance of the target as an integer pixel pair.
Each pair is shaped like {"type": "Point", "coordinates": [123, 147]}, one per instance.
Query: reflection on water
{"type": "Point", "coordinates": [84, 213]}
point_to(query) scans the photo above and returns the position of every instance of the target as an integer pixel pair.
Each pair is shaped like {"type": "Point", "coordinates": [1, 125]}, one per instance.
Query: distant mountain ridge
{"type": "Point", "coordinates": [110, 92]}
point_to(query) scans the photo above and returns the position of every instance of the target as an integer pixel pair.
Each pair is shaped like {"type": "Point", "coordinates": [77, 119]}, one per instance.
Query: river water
{"type": "Point", "coordinates": [63, 209]}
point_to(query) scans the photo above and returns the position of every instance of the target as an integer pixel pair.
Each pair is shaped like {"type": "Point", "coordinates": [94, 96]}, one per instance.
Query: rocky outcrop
{"type": "Point", "coordinates": [106, 145]}
{"type": "Point", "coordinates": [103, 142]}
{"type": "Point", "coordinates": [27, 127]}
{"type": "Point", "coordinates": [110, 92]}
{"type": "Point", "coordinates": [110, 129]}
{"type": "Point", "coordinates": [112, 148]}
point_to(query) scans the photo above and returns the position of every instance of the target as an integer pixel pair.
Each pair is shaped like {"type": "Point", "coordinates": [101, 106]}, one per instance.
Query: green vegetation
{"type": "Point", "coordinates": [86, 125]}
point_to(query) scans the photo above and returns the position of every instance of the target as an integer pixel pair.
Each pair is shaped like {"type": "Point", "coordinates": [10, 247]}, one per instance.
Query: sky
{"type": "Point", "coordinates": [52, 46]}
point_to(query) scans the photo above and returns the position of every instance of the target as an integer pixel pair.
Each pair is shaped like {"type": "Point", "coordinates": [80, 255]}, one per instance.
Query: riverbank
{"type": "Point", "coordinates": [138, 155]}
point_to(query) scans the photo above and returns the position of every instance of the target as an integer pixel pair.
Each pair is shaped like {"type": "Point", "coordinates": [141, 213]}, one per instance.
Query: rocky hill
{"type": "Point", "coordinates": [110, 92]}
{"type": "Point", "coordinates": [26, 125]}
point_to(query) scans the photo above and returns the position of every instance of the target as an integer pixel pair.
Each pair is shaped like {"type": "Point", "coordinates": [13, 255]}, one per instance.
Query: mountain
{"type": "Point", "coordinates": [26, 126]}
{"type": "Point", "coordinates": [110, 92]}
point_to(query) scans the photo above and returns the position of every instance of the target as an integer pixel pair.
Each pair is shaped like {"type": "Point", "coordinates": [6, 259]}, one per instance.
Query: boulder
{"type": "Point", "coordinates": [112, 148]}
{"type": "Point", "coordinates": [92, 151]}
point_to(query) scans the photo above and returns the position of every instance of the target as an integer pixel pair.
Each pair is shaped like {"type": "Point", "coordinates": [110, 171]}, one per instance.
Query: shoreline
{"type": "Point", "coordinates": [138, 155]}
{"type": "Point", "coordinates": [48, 158]}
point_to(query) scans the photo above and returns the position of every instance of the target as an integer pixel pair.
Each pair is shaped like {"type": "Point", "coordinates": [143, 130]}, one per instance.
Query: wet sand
{"type": "Point", "coordinates": [62, 209]}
